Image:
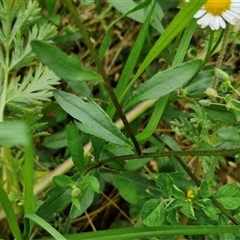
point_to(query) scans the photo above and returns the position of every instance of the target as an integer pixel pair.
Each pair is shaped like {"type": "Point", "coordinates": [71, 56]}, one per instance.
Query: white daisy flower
{"type": "Point", "coordinates": [215, 13]}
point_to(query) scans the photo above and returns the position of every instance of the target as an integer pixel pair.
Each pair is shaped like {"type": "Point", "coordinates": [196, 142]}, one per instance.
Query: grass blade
{"type": "Point", "coordinates": [174, 28]}
{"type": "Point", "coordinates": [131, 61]}
{"type": "Point", "coordinates": [10, 214]}
{"type": "Point", "coordinates": [46, 226]}
{"type": "Point", "coordinates": [147, 232]}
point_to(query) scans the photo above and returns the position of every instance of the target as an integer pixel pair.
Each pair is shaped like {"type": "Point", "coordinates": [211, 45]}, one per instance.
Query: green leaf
{"type": "Point", "coordinates": [223, 116]}
{"type": "Point", "coordinates": [135, 164]}
{"type": "Point", "coordinates": [10, 214]}
{"type": "Point", "coordinates": [138, 182]}
{"type": "Point", "coordinates": [204, 189]}
{"type": "Point", "coordinates": [56, 141]}
{"type": "Point", "coordinates": [173, 204]}
{"type": "Point", "coordinates": [165, 82]}
{"type": "Point", "coordinates": [177, 193]}
{"type": "Point", "coordinates": [131, 62]}
{"type": "Point", "coordinates": [45, 226]}
{"type": "Point", "coordinates": [63, 181]}
{"type": "Point", "coordinates": [154, 120]}
{"type": "Point", "coordinates": [175, 27]}
{"type": "Point", "coordinates": [230, 134]}
{"type": "Point", "coordinates": [165, 182]}
{"type": "Point", "coordinates": [141, 14]}
{"type": "Point", "coordinates": [184, 43]}
{"type": "Point", "coordinates": [85, 200]}
{"type": "Point", "coordinates": [75, 147]}
{"type": "Point", "coordinates": [152, 232]}
{"type": "Point", "coordinates": [93, 119]}
{"type": "Point", "coordinates": [200, 83]}
{"type": "Point", "coordinates": [188, 210]}
{"type": "Point", "coordinates": [58, 198]}
{"type": "Point", "coordinates": [126, 190]}
{"type": "Point", "coordinates": [66, 67]}
{"type": "Point", "coordinates": [32, 89]}
{"type": "Point", "coordinates": [173, 217]}
{"type": "Point", "coordinates": [153, 213]}
{"type": "Point", "coordinates": [229, 196]}
{"type": "Point", "coordinates": [92, 182]}
{"type": "Point", "coordinates": [163, 101]}
{"type": "Point", "coordinates": [209, 209]}
{"type": "Point", "coordinates": [97, 144]}
{"type": "Point", "coordinates": [107, 37]}
{"type": "Point", "coordinates": [13, 133]}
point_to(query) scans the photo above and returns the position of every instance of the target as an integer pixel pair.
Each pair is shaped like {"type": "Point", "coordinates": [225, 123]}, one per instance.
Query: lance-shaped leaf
{"type": "Point", "coordinates": [93, 119]}
{"type": "Point", "coordinates": [75, 147]}
{"type": "Point", "coordinates": [165, 82]}
{"type": "Point", "coordinates": [65, 66]}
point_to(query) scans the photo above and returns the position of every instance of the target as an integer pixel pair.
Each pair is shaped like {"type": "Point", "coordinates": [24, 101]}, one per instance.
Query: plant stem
{"type": "Point", "coordinates": [102, 71]}
{"type": "Point", "coordinates": [221, 55]}
{"type": "Point", "coordinates": [221, 152]}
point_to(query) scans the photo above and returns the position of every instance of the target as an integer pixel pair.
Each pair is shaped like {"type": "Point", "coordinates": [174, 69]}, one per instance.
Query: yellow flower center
{"type": "Point", "coordinates": [217, 7]}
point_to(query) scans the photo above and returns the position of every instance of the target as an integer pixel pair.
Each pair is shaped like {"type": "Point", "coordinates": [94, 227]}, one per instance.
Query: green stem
{"type": "Point", "coordinates": [224, 211]}
{"type": "Point", "coordinates": [102, 71]}
{"type": "Point", "coordinates": [209, 49]}
{"type": "Point", "coordinates": [221, 152]}
{"type": "Point", "coordinates": [221, 55]}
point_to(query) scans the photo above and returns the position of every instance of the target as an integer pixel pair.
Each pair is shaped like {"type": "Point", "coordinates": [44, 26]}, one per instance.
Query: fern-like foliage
{"type": "Point", "coordinates": [33, 88]}
{"type": "Point", "coordinates": [19, 26]}
{"type": "Point", "coordinates": [32, 117]}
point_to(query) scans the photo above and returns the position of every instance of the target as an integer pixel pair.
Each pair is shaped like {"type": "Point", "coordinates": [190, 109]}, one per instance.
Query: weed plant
{"type": "Point", "coordinates": [141, 138]}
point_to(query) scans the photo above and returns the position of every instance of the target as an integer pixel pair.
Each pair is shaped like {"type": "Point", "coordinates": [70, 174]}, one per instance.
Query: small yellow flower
{"type": "Point", "coordinates": [215, 13]}
{"type": "Point", "coordinates": [190, 194]}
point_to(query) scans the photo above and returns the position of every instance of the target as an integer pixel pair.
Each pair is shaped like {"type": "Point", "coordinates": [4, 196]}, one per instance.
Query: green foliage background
{"type": "Point", "coordinates": [117, 121]}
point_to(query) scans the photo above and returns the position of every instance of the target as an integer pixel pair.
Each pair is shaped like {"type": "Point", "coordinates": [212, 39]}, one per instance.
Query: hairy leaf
{"type": "Point", "coordinates": [93, 119]}
{"type": "Point", "coordinates": [229, 196]}
{"type": "Point", "coordinates": [75, 146]}
{"type": "Point", "coordinates": [153, 213]}
{"type": "Point", "coordinates": [165, 82]}
{"type": "Point", "coordinates": [126, 190]}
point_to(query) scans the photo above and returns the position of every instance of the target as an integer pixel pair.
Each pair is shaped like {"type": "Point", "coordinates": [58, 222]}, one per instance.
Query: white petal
{"type": "Point", "coordinates": [235, 1]}
{"type": "Point", "coordinates": [235, 5]}
{"type": "Point", "coordinates": [222, 22]}
{"type": "Point", "coordinates": [199, 13]}
{"type": "Point", "coordinates": [205, 20]}
{"type": "Point", "coordinates": [234, 13]}
{"type": "Point", "coordinates": [215, 24]}
{"type": "Point", "coordinates": [235, 9]}
{"type": "Point", "coordinates": [229, 17]}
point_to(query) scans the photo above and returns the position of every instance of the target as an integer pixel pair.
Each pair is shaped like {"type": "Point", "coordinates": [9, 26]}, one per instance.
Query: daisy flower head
{"type": "Point", "coordinates": [215, 13]}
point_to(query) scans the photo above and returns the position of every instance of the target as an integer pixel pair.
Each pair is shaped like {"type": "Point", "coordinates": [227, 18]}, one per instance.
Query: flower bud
{"type": "Point", "coordinates": [211, 92]}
